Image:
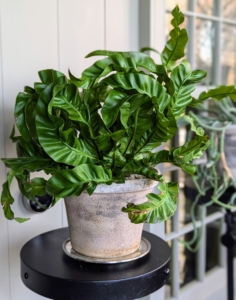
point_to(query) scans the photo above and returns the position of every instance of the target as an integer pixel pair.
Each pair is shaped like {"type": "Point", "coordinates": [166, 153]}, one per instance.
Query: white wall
{"type": "Point", "coordinates": [35, 35]}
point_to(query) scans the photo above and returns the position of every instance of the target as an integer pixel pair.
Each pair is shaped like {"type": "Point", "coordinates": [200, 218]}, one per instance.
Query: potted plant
{"type": "Point", "coordinates": [214, 181]}
{"type": "Point", "coordinates": [218, 119]}
{"type": "Point", "coordinates": [100, 132]}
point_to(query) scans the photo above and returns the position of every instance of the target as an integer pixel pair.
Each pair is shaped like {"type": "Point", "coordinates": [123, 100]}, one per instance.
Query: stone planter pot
{"type": "Point", "coordinates": [98, 228]}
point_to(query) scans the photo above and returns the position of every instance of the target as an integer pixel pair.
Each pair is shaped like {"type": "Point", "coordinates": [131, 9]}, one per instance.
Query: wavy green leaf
{"type": "Point", "coordinates": [72, 182]}
{"type": "Point", "coordinates": [38, 186]}
{"type": "Point", "coordinates": [219, 93]}
{"type": "Point", "coordinates": [115, 159]}
{"type": "Point", "coordinates": [184, 83]}
{"type": "Point", "coordinates": [63, 147]}
{"type": "Point", "coordinates": [101, 93]}
{"type": "Point", "coordinates": [26, 149]}
{"type": "Point", "coordinates": [142, 83]}
{"type": "Point", "coordinates": [52, 76]}
{"type": "Point", "coordinates": [125, 114]}
{"type": "Point", "coordinates": [167, 156]}
{"type": "Point", "coordinates": [192, 149]}
{"type": "Point", "coordinates": [148, 141]}
{"type": "Point", "coordinates": [99, 69]}
{"type": "Point", "coordinates": [193, 123]}
{"type": "Point", "coordinates": [29, 90]}
{"type": "Point", "coordinates": [116, 135]}
{"type": "Point", "coordinates": [30, 117]}
{"type": "Point", "coordinates": [81, 83]}
{"type": "Point", "coordinates": [31, 164]}
{"type": "Point", "coordinates": [6, 198]}
{"type": "Point", "coordinates": [142, 168]}
{"type": "Point", "coordinates": [96, 127]}
{"type": "Point", "coordinates": [158, 208]}
{"type": "Point", "coordinates": [182, 156]}
{"type": "Point", "coordinates": [68, 99]}
{"type": "Point", "coordinates": [111, 106]}
{"type": "Point", "coordinates": [21, 102]}
{"type": "Point", "coordinates": [174, 48]}
{"type": "Point", "coordinates": [163, 130]}
{"type": "Point", "coordinates": [133, 103]}
{"type": "Point", "coordinates": [6, 201]}
{"type": "Point", "coordinates": [145, 49]}
{"type": "Point", "coordinates": [128, 60]}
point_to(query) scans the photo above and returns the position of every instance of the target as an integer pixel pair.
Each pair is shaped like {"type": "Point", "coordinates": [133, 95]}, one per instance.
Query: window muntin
{"type": "Point", "coordinates": [211, 27]}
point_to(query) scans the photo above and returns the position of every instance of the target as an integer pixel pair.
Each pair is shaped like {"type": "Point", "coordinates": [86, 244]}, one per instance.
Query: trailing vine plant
{"type": "Point", "coordinates": [214, 177]}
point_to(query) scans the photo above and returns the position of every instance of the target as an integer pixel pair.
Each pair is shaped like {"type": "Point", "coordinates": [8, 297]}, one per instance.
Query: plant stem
{"type": "Point", "coordinates": [133, 134]}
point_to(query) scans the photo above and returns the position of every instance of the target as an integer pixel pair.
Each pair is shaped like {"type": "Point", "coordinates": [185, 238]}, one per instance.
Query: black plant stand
{"type": "Point", "coordinates": [228, 239]}
{"type": "Point", "coordinates": [48, 271]}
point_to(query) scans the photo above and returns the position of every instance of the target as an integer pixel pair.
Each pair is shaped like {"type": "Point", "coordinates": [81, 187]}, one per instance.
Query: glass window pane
{"type": "Point", "coordinates": [212, 209]}
{"type": "Point", "coordinates": [212, 244]}
{"type": "Point", "coordinates": [187, 198]}
{"type": "Point", "coordinates": [187, 267]}
{"type": "Point", "coordinates": [229, 9]}
{"type": "Point", "coordinates": [228, 54]}
{"type": "Point", "coordinates": [168, 226]}
{"type": "Point", "coordinates": [184, 209]}
{"type": "Point", "coordinates": [183, 4]}
{"type": "Point", "coordinates": [187, 263]}
{"type": "Point", "coordinates": [184, 203]}
{"type": "Point", "coordinates": [205, 46]}
{"type": "Point", "coordinates": [206, 7]}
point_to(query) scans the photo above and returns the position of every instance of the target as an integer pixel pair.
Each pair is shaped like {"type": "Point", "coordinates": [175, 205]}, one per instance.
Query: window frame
{"type": "Point", "coordinates": [207, 284]}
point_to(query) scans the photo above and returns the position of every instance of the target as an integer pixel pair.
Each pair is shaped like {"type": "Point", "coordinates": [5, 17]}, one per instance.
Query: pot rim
{"type": "Point", "coordinates": [130, 186]}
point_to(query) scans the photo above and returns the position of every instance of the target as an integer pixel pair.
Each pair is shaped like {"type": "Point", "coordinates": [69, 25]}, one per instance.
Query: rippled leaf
{"type": "Point", "coordinates": [174, 48]}
{"type": "Point", "coordinates": [72, 182]}
{"type": "Point", "coordinates": [158, 208]}
{"type": "Point", "coordinates": [184, 83]}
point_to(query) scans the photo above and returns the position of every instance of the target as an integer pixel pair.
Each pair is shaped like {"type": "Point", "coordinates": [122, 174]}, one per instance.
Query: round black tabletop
{"type": "Point", "coordinates": [48, 271]}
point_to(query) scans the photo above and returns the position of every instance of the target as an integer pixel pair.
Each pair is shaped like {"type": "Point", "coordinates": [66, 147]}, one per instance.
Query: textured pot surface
{"type": "Point", "coordinates": [97, 226]}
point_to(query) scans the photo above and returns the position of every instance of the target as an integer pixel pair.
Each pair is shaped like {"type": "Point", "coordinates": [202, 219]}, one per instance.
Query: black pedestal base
{"type": "Point", "coordinates": [228, 239]}
{"type": "Point", "coordinates": [46, 270]}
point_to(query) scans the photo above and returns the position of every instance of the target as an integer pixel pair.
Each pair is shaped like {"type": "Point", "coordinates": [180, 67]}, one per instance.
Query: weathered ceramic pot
{"type": "Point", "coordinates": [97, 226]}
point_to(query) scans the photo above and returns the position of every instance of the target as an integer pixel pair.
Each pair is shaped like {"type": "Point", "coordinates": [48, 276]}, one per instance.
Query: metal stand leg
{"type": "Point", "coordinates": [228, 240]}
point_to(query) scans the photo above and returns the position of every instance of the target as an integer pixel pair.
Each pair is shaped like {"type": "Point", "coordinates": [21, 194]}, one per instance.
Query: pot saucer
{"type": "Point", "coordinates": [143, 249]}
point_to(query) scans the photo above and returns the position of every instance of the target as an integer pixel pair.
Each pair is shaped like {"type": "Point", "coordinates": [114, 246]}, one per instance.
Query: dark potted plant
{"type": "Point", "coordinates": [218, 119]}
{"type": "Point", "coordinates": [94, 132]}
{"type": "Point", "coordinates": [214, 182]}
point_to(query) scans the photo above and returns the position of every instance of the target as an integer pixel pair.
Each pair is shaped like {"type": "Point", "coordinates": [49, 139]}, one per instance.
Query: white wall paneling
{"type": "Point", "coordinates": [4, 258]}
{"type": "Point", "coordinates": [81, 31]}
{"type": "Point", "coordinates": [29, 44]}
{"type": "Point", "coordinates": [121, 25]}
{"type": "Point", "coordinates": [37, 35]}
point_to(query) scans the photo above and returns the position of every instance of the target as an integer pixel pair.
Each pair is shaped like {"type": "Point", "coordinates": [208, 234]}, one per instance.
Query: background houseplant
{"type": "Point", "coordinates": [213, 184]}
{"type": "Point", "coordinates": [218, 119]}
{"type": "Point", "coordinates": [140, 103]}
